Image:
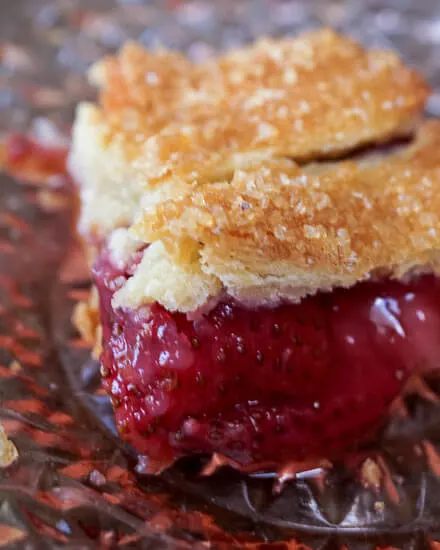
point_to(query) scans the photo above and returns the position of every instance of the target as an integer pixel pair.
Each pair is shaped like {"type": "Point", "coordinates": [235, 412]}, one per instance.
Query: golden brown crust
{"type": "Point", "coordinates": [86, 319]}
{"type": "Point", "coordinates": [139, 91]}
{"type": "Point", "coordinates": [8, 451]}
{"type": "Point", "coordinates": [315, 227]}
{"type": "Point", "coordinates": [317, 95]}
{"type": "Point", "coordinates": [211, 160]}
{"type": "Point", "coordinates": [161, 117]}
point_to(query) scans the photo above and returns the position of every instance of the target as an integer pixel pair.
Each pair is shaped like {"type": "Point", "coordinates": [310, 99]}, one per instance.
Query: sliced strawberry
{"type": "Point", "coordinates": [264, 384]}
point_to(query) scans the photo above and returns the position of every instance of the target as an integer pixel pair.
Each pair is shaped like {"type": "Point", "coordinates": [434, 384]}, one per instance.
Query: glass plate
{"type": "Point", "coordinates": [75, 485]}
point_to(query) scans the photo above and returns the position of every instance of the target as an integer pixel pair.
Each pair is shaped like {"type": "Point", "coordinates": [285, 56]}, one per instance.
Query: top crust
{"type": "Point", "coordinates": [138, 90]}
{"type": "Point", "coordinates": [229, 170]}
{"type": "Point", "coordinates": [163, 121]}
{"type": "Point", "coordinates": [279, 231]}
{"type": "Point", "coordinates": [317, 96]}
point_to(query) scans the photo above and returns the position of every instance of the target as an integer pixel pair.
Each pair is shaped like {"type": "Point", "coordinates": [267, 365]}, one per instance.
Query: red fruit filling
{"type": "Point", "coordinates": [265, 385]}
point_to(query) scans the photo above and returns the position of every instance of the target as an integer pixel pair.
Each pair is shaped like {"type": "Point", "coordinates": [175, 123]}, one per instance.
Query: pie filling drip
{"type": "Point", "coordinates": [264, 384]}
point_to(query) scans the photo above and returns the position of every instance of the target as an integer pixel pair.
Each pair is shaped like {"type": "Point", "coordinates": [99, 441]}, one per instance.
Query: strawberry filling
{"type": "Point", "coordinates": [265, 385]}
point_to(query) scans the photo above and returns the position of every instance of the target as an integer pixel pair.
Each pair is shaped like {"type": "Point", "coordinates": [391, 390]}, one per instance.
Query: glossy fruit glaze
{"type": "Point", "coordinates": [295, 382]}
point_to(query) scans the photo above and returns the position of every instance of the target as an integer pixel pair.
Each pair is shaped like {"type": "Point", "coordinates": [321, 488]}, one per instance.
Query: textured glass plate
{"type": "Point", "coordinates": [74, 484]}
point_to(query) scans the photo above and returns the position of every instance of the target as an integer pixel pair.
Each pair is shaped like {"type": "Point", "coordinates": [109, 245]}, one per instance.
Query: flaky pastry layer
{"type": "Point", "coordinates": [163, 122]}
{"type": "Point", "coordinates": [279, 231]}
{"type": "Point", "coordinates": [232, 171]}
